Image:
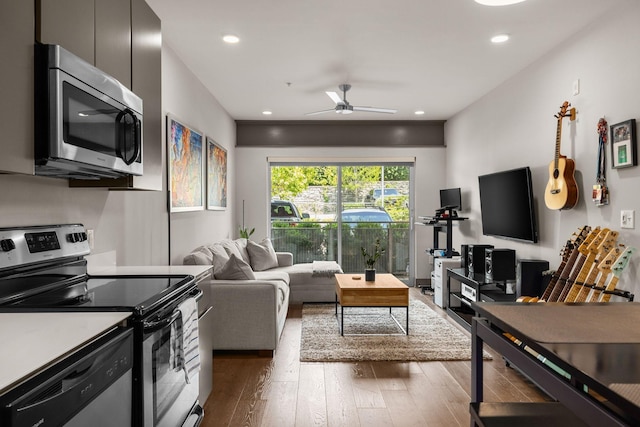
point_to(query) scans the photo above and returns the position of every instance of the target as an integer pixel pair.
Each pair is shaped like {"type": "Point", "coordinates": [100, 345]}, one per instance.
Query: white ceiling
{"type": "Point", "coordinates": [430, 55]}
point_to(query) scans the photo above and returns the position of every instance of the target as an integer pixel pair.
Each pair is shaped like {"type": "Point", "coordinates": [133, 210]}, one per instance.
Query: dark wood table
{"type": "Point", "coordinates": [585, 355]}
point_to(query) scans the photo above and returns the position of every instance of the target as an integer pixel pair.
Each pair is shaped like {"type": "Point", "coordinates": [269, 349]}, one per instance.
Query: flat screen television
{"type": "Point", "coordinates": [507, 206]}
{"type": "Point", "coordinates": [451, 197]}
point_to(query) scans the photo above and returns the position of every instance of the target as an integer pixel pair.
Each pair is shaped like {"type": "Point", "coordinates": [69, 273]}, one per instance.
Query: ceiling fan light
{"type": "Point", "coordinates": [498, 2]}
{"type": "Point", "coordinates": [231, 38]}
{"type": "Point", "coordinates": [500, 38]}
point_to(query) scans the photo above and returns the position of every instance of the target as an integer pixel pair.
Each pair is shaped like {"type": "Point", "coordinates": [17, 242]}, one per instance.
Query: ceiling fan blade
{"type": "Point", "coordinates": [375, 110]}
{"type": "Point", "coordinates": [333, 110]}
{"type": "Point", "coordinates": [335, 97]}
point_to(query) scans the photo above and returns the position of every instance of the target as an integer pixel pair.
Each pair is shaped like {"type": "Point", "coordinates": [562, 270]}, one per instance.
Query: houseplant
{"type": "Point", "coordinates": [370, 260]}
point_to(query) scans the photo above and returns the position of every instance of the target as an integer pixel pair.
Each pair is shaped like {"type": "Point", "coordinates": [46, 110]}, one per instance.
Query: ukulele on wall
{"type": "Point", "coordinates": [562, 189]}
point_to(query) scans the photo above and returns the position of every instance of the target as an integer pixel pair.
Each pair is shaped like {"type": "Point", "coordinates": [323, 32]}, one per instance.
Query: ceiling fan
{"type": "Point", "coordinates": [343, 106]}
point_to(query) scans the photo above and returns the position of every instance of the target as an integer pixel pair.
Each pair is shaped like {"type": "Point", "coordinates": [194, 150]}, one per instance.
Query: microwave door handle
{"type": "Point", "coordinates": [122, 137]}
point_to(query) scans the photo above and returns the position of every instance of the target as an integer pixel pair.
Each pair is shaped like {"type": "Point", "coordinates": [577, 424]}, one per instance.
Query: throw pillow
{"type": "Point", "coordinates": [200, 256]}
{"type": "Point", "coordinates": [262, 255]}
{"type": "Point", "coordinates": [231, 248]}
{"type": "Point", "coordinates": [235, 269]}
{"type": "Point", "coordinates": [219, 256]}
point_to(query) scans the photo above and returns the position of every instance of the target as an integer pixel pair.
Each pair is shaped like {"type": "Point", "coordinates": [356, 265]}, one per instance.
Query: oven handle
{"type": "Point", "coordinates": [148, 327]}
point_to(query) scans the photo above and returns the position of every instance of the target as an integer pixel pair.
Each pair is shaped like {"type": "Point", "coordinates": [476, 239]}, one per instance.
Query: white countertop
{"type": "Point", "coordinates": [32, 342]}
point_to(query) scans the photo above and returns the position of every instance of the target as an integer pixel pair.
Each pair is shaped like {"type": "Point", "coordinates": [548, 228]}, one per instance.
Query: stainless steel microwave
{"type": "Point", "coordinates": [87, 124]}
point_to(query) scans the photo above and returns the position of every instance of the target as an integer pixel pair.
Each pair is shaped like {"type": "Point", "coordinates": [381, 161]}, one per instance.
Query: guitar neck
{"type": "Point", "coordinates": [564, 275]}
{"type": "Point", "coordinates": [586, 288]}
{"type": "Point", "coordinates": [611, 286]}
{"type": "Point", "coordinates": [554, 279]}
{"type": "Point", "coordinates": [594, 296]}
{"type": "Point", "coordinates": [558, 139]}
{"type": "Point", "coordinates": [574, 274]}
{"type": "Point", "coordinates": [577, 285]}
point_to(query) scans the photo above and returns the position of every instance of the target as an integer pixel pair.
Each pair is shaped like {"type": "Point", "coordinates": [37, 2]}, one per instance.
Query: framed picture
{"type": "Point", "coordinates": [623, 144]}
{"type": "Point", "coordinates": [216, 176]}
{"type": "Point", "coordinates": [186, 164]}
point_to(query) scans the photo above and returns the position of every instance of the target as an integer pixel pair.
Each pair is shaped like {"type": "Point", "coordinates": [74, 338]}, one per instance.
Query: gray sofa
{"type": "Point", "coordinates": [252, 287]}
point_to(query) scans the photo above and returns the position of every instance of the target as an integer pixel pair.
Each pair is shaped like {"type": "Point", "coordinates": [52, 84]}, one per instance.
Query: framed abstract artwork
{"type": "Point", "coordinates": [623, 144]}
{"type": "Point", "coordinates": [216, 176]}
{"type": "Point", "coordinates": [186, 165]}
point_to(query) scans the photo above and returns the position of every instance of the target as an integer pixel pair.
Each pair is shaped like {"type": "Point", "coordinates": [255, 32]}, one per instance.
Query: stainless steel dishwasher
{"type": "Point", "coordinates": [92, 387]}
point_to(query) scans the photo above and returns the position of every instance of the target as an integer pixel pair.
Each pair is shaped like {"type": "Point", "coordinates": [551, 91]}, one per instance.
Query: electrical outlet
{"type": "Point", "coordinates": [627, 219]}
{"type": "Point", "coordinates": [90, 238]}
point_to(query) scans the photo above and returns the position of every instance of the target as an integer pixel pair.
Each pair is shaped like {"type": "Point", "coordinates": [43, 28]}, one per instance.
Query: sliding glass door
{"type": "Point", "coordinates": [333, 211]}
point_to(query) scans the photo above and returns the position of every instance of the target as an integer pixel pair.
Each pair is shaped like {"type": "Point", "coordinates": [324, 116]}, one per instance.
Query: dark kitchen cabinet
{"type": "Point", "coordinates": [68, 23]}
{"type": "Point", "coordinates": [146, 75]}
{"type": "Point", "coordinates": [113, 38]}
{"type": "Point", "coordinates": [97, 31]}
{"type": "Point", "coordinates": [16, 103]}
{"type": "Point", "coordinates": [128, 45]}
{"type": "Point", "coordinates": [121, 37]}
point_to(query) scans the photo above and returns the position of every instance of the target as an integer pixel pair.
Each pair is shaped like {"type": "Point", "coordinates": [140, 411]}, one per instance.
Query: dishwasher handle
{"type": "Point", "coordinates": [57, 396]}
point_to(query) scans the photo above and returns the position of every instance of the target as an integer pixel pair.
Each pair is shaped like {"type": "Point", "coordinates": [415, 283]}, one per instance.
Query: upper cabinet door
{"type": "Point", "coordinates": [113, 39]}
{"type": "Point", "coordinates": [68, 23]}
{"type": "Point", "coordinates": [16, 102]}
{"type": "Point", "coordinates": [147, 83]}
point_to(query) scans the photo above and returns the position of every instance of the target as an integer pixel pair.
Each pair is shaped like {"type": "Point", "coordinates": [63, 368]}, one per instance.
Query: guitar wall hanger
{"type": "Point", "coordinates": [571, 114]}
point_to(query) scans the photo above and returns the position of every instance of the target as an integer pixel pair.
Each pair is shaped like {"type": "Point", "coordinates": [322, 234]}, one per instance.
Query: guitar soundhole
{"type": "Point", "coordinates": [556, 173]}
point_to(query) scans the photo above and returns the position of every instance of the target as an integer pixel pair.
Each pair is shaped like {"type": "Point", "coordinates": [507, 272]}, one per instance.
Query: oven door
{"type": "Point", "coordinates": [168, 400]}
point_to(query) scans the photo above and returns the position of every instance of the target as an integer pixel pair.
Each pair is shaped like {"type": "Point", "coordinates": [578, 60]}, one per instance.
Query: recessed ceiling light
{"type": "Point", "coordinates": [267, 112]}
{"type": "Point", "coordinates": [419, 113]}
{"type": "Point", "coordinates": [230, 38]}
{"type": "Point", "coordinates": [500, 38]}
{"type": "Point", "coordinates": [498, 2]}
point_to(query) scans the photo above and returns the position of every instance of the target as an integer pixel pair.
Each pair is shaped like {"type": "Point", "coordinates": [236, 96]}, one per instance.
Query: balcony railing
{"type": "Point", "coordinates": [309, 241]}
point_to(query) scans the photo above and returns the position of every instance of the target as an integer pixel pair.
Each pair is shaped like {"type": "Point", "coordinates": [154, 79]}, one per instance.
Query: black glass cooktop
{"type": "Point", "coordinates": [140, 294]}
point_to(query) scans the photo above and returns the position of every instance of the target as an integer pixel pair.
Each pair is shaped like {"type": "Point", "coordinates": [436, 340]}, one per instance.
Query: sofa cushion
{"type": "Point", "coordinates": [262, 255]}
{"type": "Point", "coordinates": [219, 256]}
{"type": "Point", "coordinates": [199, 256]}
{"type": "Point", "coordinates": [235, 269]}
{"type": "Point", "coordinates": [273, 274]}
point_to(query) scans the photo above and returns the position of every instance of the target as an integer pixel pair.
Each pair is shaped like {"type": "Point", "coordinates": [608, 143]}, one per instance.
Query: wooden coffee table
{"type": "Point", "coordinates": [387, 291]}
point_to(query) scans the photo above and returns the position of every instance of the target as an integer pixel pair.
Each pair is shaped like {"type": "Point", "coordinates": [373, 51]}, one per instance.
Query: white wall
{"type": "Point", "coordinates": [513, 126]}
{"type": "Point", "coordinates": [253, 186]}
{"type": "Point", "coordinates": [186, 98]}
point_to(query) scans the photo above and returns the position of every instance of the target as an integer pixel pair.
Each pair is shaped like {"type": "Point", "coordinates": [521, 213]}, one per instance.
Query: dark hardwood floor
{"type": "Point", "coordinates": [281, 391]}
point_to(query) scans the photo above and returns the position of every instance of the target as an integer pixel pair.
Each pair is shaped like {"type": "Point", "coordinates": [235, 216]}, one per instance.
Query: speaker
{"type": "Point", "coordinates": [464, 255]}
{"type": "Point", "coordinates": [500, 264]}
{"type": "Point", "coordinates": [475, 258]}
{"type": "Point", "coordinates": [529, 277]}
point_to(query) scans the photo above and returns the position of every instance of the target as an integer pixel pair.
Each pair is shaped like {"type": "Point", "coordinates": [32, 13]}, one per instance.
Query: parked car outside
{"type": "Point", "coordinates": [286, 211]}
{"type": "Point", "coordinates": [391, 195]}
{"type": "Point", "coordinates": [354, 216]}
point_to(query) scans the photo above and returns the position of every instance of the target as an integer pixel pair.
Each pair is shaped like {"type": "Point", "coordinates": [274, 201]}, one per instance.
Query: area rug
{"type": "Point", "coordinates": [431, 337]}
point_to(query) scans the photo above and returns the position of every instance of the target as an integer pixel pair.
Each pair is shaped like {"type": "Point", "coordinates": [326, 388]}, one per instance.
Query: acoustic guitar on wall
{"type": "Point", "coordinates": [562, 189]}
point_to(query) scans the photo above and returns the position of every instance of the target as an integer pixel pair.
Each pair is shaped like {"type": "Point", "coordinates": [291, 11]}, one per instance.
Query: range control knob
{"type": "Point", "coordinates": [7, 245]}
